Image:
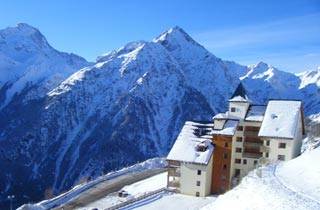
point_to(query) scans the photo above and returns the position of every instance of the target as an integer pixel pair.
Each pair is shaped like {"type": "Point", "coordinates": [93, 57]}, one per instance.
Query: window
{"type": "Point", "coordinates": [239, 139]}
{"type": "Point", "coordinates": [268, 143]}
{"type": "Point", "coordinates": [224, 166]}
{"type": "Point", "coordinates": [199, 172]}
{"type": "Point", "coordinates": [237, 172]}
{"type": "Point", "coordinates": [238, 149]}
{"type": "Point", "coordinates": [282, 145]}
{"type": "Point", "coordinates": [281, 157]}
{"type": "Point", "coordinates": [225, 155]}
{"type": "Point", "coordinates": [198, 183]}
{"type": "Point", "coordinates": [240, 128]}
{"type": "Point", "coordinates": [226, 144]}
{"type": "Point", "coordinates": [233, 109]}
{"type": "Point", "coordinates": [267, 154]}
{"type": "Point", "coordinates": [245, 161]}
{"type": "Point", "coordinates": [255, 162]}
{"type": "Point", "coordinates": [197, 194]}
{"type": "Point", "coordinates": [237, 161]}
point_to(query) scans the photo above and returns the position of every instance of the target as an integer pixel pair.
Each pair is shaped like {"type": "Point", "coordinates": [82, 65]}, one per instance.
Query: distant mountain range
{"type": "Point", "coordinates": [63, 118]}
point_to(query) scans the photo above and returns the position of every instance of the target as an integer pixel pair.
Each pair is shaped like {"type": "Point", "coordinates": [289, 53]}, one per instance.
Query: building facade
{"type": "Point", "coordinates": [190, 160]}
{"type": "Point", "coordinates": [210, 158]}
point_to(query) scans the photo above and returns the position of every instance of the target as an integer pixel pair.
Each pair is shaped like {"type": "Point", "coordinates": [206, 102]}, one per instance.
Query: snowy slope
{"type": "Point", "coordinates": [264, 81]}
{"type": "Point", "coordinates": [27, 60]}
{"type": "Point", "coordinates": [202, 70]}
{"type": "Point", "coordinates": [309, 77]}
{"type": "Point", "coordinates": [292, 185]}
{"type": "Point", "coordinates": [301, 175]}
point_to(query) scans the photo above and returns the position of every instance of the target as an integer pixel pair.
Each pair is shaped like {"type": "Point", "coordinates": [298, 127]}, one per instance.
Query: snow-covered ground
{"type": "Point", "coordinates": [174, 201]}
{"type": "Point", "coordinates": [290, 185]}
{"type": "Point", "coordinates": [162, 200]}
{"type": "Point", "coordinates": [77, 190]}
{"type": "Point", "coordinates": [302, 174]}
{"type": "Point", "coordinates": [294, 184]}
{"type": "Point", "coordinates": [139, 188]}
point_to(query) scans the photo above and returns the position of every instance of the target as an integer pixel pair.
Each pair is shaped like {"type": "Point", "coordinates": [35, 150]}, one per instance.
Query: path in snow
{"type": "Point", "coordinates": [265, 192]}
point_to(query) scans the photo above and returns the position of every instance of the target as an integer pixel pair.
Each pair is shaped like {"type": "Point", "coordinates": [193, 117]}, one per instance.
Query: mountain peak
{"type": "Point", "coordinates": [26, 27]}
{"type": "Point", "coordinates": [261, 65]}
{"type": "Point", "coordinates": [23, 34]}
{"type": "Point", "coordinates": [176, 33]}
{"type": "Point", "coordinates": [20, 29]}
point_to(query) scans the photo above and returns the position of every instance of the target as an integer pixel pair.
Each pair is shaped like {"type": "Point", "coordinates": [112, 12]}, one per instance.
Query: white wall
{"type": "Point", "coordinates": [189, 178]}
{"type": "Point", "coordinates": [218, 123]}
{"type": "Point", "coordinates": [241, 109]}
{"type": "Point", "coordinates": [288, 152]}
{"type": "Point", "coordinates": [298, 137]}
{"type": "Point", "coordinates": [245, 168]}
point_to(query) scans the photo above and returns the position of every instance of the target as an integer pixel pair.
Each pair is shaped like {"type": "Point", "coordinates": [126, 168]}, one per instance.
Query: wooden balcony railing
{"type": "Point", "coordinates": [252, 128]}
{"type": "Point", "coordinates": [252, 155]}
{"type": "Point", "coordinates": [174, 172]}
{"type": "Point", "coordinates": [252, 144]}
{"type": "Point", "coordinates": [251, 133]}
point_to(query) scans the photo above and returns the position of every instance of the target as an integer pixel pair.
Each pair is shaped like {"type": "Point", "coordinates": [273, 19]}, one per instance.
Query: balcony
{"type": "Point", "coordinates": [174, 183]}
{"type": "Point", "coordinates": [251, 133]}
{"type": "Point", "coordinates": [252, 128]}
{"type": "Point", "coordinates": [252, 144]}
{"type": "Point", "coordinates": [264, 148]}
{"type": "Point", "coordinates": [173, 163]}
{"type": "Point", "coordinates": [253, 138]}
{"type": "Point", "coordinates": [174, 172]}
{"type": "Point", "coordinates": [252, 155]}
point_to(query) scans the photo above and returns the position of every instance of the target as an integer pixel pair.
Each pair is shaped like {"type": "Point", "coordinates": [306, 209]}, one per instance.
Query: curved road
{"type": "Point", "coordinates": [106, 187]}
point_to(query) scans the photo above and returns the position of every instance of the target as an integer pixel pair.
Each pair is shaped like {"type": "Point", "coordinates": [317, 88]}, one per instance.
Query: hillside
{"type": "Point", "coordinates": [290, 185]}
{"type": "Point", "coordinates": [63, 125]}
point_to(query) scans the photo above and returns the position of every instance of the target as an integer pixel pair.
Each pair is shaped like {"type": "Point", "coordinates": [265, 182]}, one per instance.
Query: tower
{"type": "Point", "coordinates": [238, 103]}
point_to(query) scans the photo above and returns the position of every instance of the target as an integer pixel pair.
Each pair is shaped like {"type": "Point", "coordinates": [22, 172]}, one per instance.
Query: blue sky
{"type": "Point", "coordinates": [284, 33]}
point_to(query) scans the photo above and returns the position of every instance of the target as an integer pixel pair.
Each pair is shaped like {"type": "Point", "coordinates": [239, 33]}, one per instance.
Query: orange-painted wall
{"type": "Point", "coordinates": [220, 175]}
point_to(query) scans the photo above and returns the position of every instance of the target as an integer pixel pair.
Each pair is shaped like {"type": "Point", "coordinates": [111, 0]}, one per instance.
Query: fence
{"type": "Point", "coordinates": [135, 199]}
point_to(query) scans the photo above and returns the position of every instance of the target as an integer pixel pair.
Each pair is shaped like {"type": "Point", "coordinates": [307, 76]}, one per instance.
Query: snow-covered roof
{"type": "Point", "coordinates": [228, 129]}
{"type": "Point", "coordinates": [239, 94]}
{"type": "Point", "coordinates": [193, 135]}
{"type": "Point", "coordinates": [239, 99]}
{"type": "Point", "coordinates": [221, 116]}
{"type": "Point", "coordinates": [256, 113]}
{"type": "Point", "coordinates": [280, 119]}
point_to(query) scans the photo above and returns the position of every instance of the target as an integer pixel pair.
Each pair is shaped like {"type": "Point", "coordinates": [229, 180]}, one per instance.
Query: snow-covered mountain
{"type": "Point", "coordinates": [264, 81]}
{"type": "Point", "coordinates": [309, 77]}
{"type": "Point", "coordinates": [27, 62]}
{"type": "Point", "coordinates": [126, 107]}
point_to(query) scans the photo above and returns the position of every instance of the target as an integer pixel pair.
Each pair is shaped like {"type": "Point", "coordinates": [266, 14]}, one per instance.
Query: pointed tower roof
{"type": "Point", "coordinates": [240, 94]}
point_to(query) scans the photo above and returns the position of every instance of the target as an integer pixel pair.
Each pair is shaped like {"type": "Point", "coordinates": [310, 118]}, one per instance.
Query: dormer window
{"type": "Point", "coordinates": [274, 116]}
{"type": "Point", "coordinates": [233, 109]}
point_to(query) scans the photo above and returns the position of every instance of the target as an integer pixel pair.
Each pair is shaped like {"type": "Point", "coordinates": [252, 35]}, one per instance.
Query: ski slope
{"type": "Point", "coordinates": [290, 185]}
